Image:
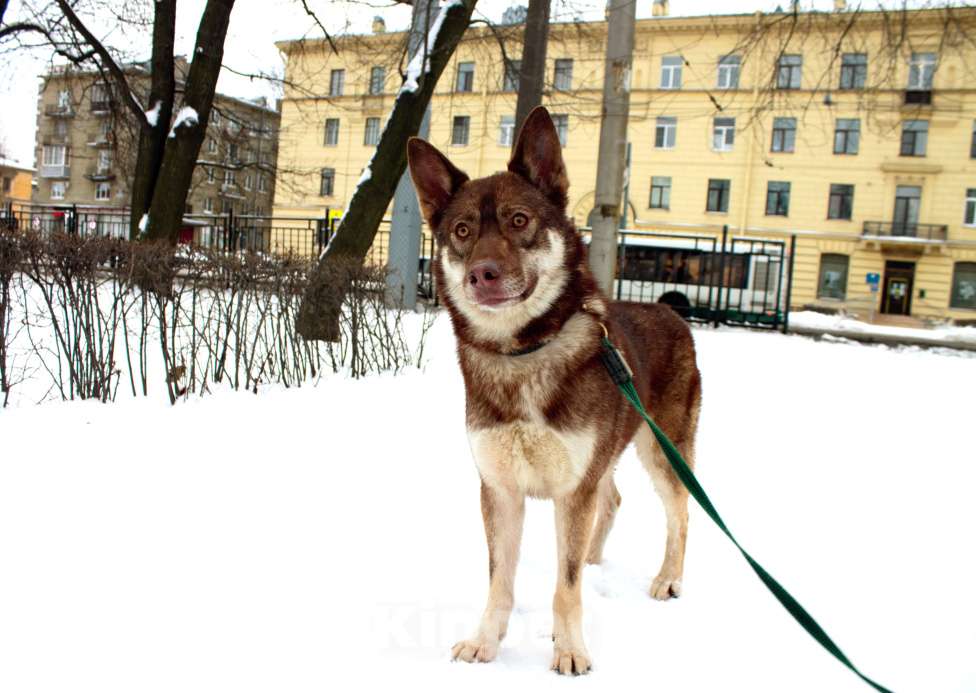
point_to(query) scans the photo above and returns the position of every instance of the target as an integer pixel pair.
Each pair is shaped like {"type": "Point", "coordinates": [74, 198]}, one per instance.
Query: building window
{"type": "Point", "coordinates": [921, 69]}
{"type": "Point", "coordinates": [970, 213]}
{"type": "Point", "coordinates": [57, 190]}
{"type": "Point", "coordinates": [211, 145]}
{"type": "Point", "coordinates": [262, 183]}
{"type": "Point", "coordinates": [833, 276]}
{"type": "Point", "coordinates": [377, 78]}
{"type": "Point", "coordinates": [972, 143]}
{"type": "Point", "coordinates": [215, 117]}
{"type": "Point", "coordinates": [914, 137]}
{"type": "Point", "coordinates": [7, 184]}
{"type": "Point", "coordinates": [103, 191]}
{"type": "Point", "coordinates": [789, 72]}
{"type": "Point", "coordinates": [671, 71]}
{"type": "Point", "coordinates": [665, 132]}
{"type": "Point", "coordinates": [331, 132]}
{"type": "Point", "coordinates": [562, 79]}
{"type": "Point", "coordinates": [510, 79]}
{"type": "Point", "coordinates": [104, 161]}
{"type": "Point", "coordinates": [718, 195]}
{"type": "Point", "coordinates": [55, 155]}
{"type": "Point", "coordinates": [230, 177]}
{"type": "Point", "coordinates": [337, 82]}
{"type": "Point", "coordinates": [784, 134]}
{"type": "Point", "coordinates": [963, 286]}
{"type": "Point", "coordinates": [327, 182]}
{"type": "Point", "coordinates": [100, 97]}
{"type": "Point", "coordinates": [61, 128]}
{"type": "Point", "coordinates": [232, 152]}
{"type": "Point", "coordinates": [853, 70]}
{"type": "Point", "coordinates": [841, 201]}
{"type": "Point", "coordinates": [847, 135]}
{"type": "Point", "coordinates": [460, 130]}
{"type": "Point", "coordinates": [778, 199]}
{"type": "Point", "coordinates": [660, 192]}
{"type": "Point", "coordinates": [561, 121]}
{"type": "Point", "coordinates": [465, 77]}
{"type": "Point", "coordinates": [208, 205]}
{"type": "Point", "coordinates": [371, 136]}
{"type": "Point", "coordinates": [210, 174]}
{"type": "Point", "coordinates": [506, 131]}
{"type": "Point", "coordinates": [723, 134]}
{"type": "Point", "coordinates": [248, 181]}
{"type": "Point", "coordinates": [64, 100]}
{"type": "Point", "coordinates": [728, 71]}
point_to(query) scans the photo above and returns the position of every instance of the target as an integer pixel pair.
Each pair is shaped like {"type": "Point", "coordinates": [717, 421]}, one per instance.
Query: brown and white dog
{"type": "Point", "coordinates": [543, 417]}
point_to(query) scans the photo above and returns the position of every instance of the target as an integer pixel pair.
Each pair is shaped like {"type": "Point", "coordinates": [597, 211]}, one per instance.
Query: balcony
{"type": "Point", "coordinates": [55, 110]}
{"type": "Point", "coordinates": [231, 190]}
{"type": "Point", "coordinates": [903, 229]}
{"type": "Point", "coordinates": [100, 139]}
{"type": "Point", "coordinates": [101, 106]}
{"type": "Point", "coordinates": [55, 171]}
{"type": "Point", "coordinates": [99, 173]}
{"type": "Point", "coordinates": [54, 138]}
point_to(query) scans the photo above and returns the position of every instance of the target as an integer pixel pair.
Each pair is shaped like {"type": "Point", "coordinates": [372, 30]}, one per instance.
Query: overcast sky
{"type": "Point", "coordinates": [257, 24]}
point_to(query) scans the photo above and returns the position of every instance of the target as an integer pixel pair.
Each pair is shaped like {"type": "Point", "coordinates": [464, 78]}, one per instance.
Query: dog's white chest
{"type": "Point", "coordinates": [532, 458]}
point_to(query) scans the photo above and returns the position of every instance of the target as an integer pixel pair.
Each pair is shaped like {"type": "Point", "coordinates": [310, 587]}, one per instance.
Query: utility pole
{"type": "Point", "coordinates": [405, 227]}
{"type": "Point", "coordinates": [532, 74]}
{"type": "Point", "coordinates": [605, 217]}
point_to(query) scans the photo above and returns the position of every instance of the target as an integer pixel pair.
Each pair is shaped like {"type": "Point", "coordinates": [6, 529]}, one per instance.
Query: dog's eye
{"type": "Point", "coordinates": [462, 230]}
{"type": "Point", "coordinates": [519, 220]}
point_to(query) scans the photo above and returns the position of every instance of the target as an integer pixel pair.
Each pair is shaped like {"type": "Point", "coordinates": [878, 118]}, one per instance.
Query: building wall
{"type": "Point", "coordinates": [945, 173]}
{"type": "Point", "coordinates": [250, 127]}
{"type": "Point", "coordinates": [15, 184]}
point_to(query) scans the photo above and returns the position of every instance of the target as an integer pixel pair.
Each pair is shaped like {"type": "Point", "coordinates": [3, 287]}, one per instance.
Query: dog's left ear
{"type": "Point", "coordinates": [538, 157]}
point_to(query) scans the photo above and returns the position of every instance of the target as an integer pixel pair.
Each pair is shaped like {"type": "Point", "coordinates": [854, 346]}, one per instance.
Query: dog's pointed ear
{"type": "Point", "coordinates": [435, 178]}
{"type": "Point", "coordinates": [538, 157]}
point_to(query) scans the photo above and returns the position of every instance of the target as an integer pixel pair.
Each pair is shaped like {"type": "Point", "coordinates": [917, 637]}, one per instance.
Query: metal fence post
{"type": "Point", "coordinates": [789, 286]}
{"type": "Point", "coordinates": [719, 313]}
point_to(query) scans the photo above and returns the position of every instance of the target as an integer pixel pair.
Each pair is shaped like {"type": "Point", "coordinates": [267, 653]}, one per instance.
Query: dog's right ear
{"type": "Point", "coordinates": [435, 178]}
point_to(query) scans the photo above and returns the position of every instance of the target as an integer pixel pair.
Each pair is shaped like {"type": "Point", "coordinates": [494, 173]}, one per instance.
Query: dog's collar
{"type": "Point", "coordinates": [527, 350]}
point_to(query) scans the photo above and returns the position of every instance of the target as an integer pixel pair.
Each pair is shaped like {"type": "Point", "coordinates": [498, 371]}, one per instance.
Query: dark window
{"type": "Point", "coordinates": [914, 137]}
{"type": "Point", "coordinates": [841, 202]}
{"type": "Point", "coordinates": [723, 134]}
{"type": "Point", "coordinates": [337, 82]}
{"type": "Point", "coordinates": [465, 77]}
{"type": "Point", "coordinates": [847, 135]}
{"type": "Point", "coordinates": [563, 77]}
{"type": "Point", "coordinates": [561, 121]}
{"type": "Point", "coordinates": [963, 286]}
{"type": "Point", "coordinates": [460, 129]}
{"type": "Point", "coordinates": [833, 276]}
{"type": "Point", "coordinates": [331, 132]}
{"type": "Point", "coordinates": [972, 144]}
{"type": "Point", "coordinates": [970, 213]}
{"type": "Point", "coordinates": [789, 72]}
{"type": "Point", "coordinates": [327, 182]}
{"type": "Point", "coordinates": [660, 192]}
{"type": "Point", "coordinates": [778, 199]}
{"type": "Point", "coordinates": [853, 70]}
{"type": "Point", "coordinates": [718, 195]}
{"type": "Point", "coordinates": [377, 78]}
{"type": "Point", "coordinates": [784, 134]}
{"type": "Point", "coordinates": [510, 80]}
{"type": "Point", "coordinates": [371, 136]}
{"type": "Point", "coordinates": [665, 132]}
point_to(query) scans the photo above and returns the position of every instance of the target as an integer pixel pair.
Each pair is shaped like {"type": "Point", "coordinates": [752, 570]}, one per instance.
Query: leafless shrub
{"type": "Point", "coordinates": [97, 312]}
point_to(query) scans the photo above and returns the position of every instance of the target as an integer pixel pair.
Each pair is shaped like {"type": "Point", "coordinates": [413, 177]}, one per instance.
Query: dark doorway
{"type": "Point", "coordinates": [899, 278]}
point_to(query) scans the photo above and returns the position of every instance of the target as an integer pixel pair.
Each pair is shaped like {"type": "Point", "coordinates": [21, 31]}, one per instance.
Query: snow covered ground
{"type": "Point", "coordinates": [329, 538]}
{"type": "Point", "coordinates": [963, 335]}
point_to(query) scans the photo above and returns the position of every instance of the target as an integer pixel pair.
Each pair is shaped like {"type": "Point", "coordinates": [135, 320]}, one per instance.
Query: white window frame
{"type": "Point", "coordinates": [48, 155]}
{"type": "Point", "coordinates": [671, 71]}
{"type": "Point", "coordinates": [506, 130]}
{"type": "Point", "coordinates": [371, 132]}
{"type": "Point", "coordinates": [723, 136]}
{"type": "Point", "coordinates": [104, 163]}
{"type": "Point", "coordinates": [208, 205]}
{"type": "Point", "coordinates": [561, 121]}
{"type": "Point", "coordinates": [103, 191]}
{"type": "Point", "coordinates": [247, 181]}
{"type": "Point", "coordinates": [729, 71]}
{"type": "Point", "coordinates": [921, 71]}
{"type": "Point", "coordinates": [969, 210]}
{"type": "Point", "coordinates": [669, 126]}
{"type": "Point", "coordinates": [562, 74]}
{"type": "Point", "coordinates": [332, 133]}
{"type": "Point", "coordinates": [337, 82]}
{"type": "Point", "coordinates": [58, 185]}
{"type": "Point", "coordinates": [262, 183]}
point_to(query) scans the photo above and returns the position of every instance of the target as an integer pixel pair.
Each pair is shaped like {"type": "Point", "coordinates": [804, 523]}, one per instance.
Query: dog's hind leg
{"type": "Point", "coordinates": [503, 513]}
{"type": "Point", "coordinates": [673, 494]}
{"type": "Point", "coordinates": [607, 503]}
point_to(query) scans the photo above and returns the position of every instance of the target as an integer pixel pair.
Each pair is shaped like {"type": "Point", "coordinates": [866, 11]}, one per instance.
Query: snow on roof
{"type": "Point", "coordinates": [12, 163]}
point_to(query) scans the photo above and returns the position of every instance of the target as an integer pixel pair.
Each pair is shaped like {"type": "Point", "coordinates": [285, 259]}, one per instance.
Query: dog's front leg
{"type": "Point", "coordinates": [574, 526]}
{"type": "Point", "coordinates": [503, 512]}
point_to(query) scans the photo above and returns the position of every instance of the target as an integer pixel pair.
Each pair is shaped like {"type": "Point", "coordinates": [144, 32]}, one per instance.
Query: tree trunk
{"type": "Point", "coordinates": [162, 91]}
{"type": "Point", "coordinates": [318, 317]}
{"type": "Point", "coordinates": [533, 70]}
{"type": "Point", "coordinates": [181, 149]}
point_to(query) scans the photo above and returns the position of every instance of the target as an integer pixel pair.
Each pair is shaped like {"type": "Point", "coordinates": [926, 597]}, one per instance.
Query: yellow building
{"type": "Point", "coordinates": [853, 131]}
{"type": "Point", "coordinates": [15, 183]}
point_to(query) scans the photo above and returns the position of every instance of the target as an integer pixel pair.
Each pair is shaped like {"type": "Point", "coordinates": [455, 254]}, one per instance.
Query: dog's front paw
{"type": "Point", "coordinates": [666, 586]}
{"type": "Point", "coordinates": [571, 661]}
{"type": "Point", "coordinates": [475, 650]}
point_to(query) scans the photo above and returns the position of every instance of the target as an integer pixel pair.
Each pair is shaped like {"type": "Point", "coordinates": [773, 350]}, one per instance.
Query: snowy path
{"type": "Point", "coordinates": [310, 540]}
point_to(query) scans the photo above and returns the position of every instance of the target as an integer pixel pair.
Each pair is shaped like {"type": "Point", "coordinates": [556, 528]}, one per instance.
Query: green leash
{"type": "Point", "coordinates": [622, 376]}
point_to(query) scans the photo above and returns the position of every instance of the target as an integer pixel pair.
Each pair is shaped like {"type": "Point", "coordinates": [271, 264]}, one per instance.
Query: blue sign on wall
{"type": "Point", "coordinates": [873, 278]}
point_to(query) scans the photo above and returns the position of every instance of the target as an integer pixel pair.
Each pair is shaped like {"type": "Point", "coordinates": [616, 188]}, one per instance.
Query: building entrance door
{"type": "Point", "coordinates": [899, 278]}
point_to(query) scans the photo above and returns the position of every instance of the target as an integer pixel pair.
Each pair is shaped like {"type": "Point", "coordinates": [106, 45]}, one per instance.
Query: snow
{"type": "Point", "coordinates": [330, 538]}
{"type": "Point", "coordinates": [186, 117]}
{"type": "Point", "coordinates": [143, 223]}
{"type": "Point", "coordinates": [960, 334]}
{"type": "Point", "coordinates": [152, 115]}
{"type": "Point", "coordinates": [366, 175]}
{"type": "Point", "coordinates": [420, 63]}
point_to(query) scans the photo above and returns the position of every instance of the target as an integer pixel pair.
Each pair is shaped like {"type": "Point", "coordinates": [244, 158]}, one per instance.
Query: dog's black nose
{"type": "Point", "coordinates": [484, 273]}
